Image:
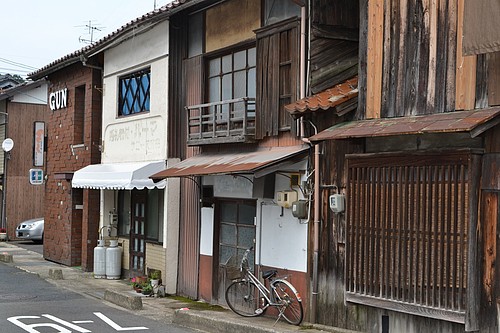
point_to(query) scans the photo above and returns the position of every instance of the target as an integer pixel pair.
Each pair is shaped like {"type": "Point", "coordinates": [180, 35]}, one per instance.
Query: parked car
{"type": "Point", "coordinates": [31, 229]}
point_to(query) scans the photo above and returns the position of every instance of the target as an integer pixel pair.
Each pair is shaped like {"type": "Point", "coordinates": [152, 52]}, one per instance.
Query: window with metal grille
{"type": "Point", "coordinates": [408, 233]}
{"type": "Point", "coordinates": [134, 94]}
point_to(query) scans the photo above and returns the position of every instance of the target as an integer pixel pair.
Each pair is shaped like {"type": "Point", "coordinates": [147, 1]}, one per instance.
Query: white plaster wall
{"type": "Point", "coordinates": [36, 95]}
{"type": "Point", "coordinates": [140, 137]}
{"type": "Point", "coordinates": [281, 238]}
{"type": "Point", "coordinates": [207, 231]}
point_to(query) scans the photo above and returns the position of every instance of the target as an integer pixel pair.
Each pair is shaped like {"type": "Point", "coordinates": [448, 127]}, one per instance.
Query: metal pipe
{"type": "Point", "coordinates": [6, 156]}
{"type": "Point", "coordinates": [316, 226]}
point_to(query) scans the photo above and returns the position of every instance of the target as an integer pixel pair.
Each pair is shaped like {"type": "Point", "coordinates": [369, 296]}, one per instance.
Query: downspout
{"type": "Point", "coordinates": [302, 69]}
{"type": "Point", "coordinates": [302, 77]}
{"type": "Point", "coordinates": [316, 226]}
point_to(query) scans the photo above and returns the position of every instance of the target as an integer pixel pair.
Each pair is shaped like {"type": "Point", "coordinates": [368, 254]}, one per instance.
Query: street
{"type": "Point", "coordinates": [31, 304]}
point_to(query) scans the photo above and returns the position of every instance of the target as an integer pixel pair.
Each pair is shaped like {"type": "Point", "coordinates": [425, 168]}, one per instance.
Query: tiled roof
{"type": "Point", "coordinates": [326, 99]}
{"type": "Point", "coordinates": [73, 57]}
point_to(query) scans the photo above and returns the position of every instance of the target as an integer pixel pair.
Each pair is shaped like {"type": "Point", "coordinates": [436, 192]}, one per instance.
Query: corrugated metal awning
{"type": "Point", "coordinates": [234, 163]}
{"type": "Point", "coordinates": [475, 122]}
{"type": "Point", "coordinates": [325, 100]}
{"type": "Point", "coordinates": [118, 176]}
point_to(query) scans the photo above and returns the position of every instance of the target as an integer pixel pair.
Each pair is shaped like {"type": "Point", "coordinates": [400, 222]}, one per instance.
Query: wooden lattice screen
{"type": "Point", "coordinates": [407, 233]}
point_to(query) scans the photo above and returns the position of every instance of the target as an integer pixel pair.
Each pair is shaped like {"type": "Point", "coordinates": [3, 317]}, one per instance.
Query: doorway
{"type": "Point", "coordinates": [236, 233]}
{"type": "Point", "coordinates": [138, 233]}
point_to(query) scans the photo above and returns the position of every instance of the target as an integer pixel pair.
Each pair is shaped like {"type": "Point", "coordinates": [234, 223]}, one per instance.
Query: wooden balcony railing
{"type": "Point", "coordinates": [222, 122]}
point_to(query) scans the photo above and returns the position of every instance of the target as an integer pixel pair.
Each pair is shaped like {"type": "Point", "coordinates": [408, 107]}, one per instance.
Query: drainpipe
{"type": "Point", "coordinates": [302, 77]}
{"type": "Point", "coordinates": [316, 226]}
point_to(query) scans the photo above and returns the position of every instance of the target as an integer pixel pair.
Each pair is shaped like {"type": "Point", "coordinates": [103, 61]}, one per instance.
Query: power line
{"type": "Point", "coordinates": [17, 64]}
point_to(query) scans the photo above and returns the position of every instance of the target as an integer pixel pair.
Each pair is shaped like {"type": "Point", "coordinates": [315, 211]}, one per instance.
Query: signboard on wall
{"type": "Point", "coordinates": [38, 143]}
{"type": "Point", "coordinates": [36, 176]}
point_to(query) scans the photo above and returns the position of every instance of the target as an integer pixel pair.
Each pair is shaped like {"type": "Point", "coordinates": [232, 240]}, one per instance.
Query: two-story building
{"type": "Point", "coordinates": [417, 165]}
{"type": "Point", "coordinates": [243, 160]}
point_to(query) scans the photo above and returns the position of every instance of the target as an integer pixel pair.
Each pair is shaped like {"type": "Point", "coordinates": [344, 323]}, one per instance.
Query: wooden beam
{"type": "Point", "coordinates": [465, 95]}
{"type": "Point", "coordinates": [374, 58]}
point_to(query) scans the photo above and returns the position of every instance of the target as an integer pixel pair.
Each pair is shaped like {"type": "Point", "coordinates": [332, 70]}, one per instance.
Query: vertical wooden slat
{"type": "Point", "coordinates": [387, 245]}
{"type": "Point", "coordinates": [392, 235]}
{"type": "Point", "coordinates": [441, 222]}
{"type": "Point", "coordinates": [419, 258]}
{"type": "Point", "coordinates": [404, 232]}
{"type": "Point", "coordinates": [462, 248]}
{"type": "Point", "coordinates": [374, 58]}
{"type": "Point", "coordinates": [454, 238]}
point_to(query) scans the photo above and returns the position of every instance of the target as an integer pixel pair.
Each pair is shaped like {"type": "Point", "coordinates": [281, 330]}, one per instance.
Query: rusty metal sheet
{"type": "Point", "coordinates": [458, 121]}
{"type": "Point", "coordinates": [326, 99]}
{"type": "Point", "coordinates": [225, 163]}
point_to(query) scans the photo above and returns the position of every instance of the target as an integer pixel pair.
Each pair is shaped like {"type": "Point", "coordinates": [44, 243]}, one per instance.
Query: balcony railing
{"type": "Point", "coordinates": [222, 122]}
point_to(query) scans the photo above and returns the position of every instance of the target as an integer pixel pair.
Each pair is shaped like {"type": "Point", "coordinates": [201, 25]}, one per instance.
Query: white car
{"type": "Point", "coordinates": [31, 229]}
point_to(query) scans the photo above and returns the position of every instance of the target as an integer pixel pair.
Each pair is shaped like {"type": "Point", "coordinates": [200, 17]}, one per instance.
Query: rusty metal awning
{"type": "Point", "coordinates": [474, 121]}
{"type": "Point", "coordinates": [330, 98]}
{"type": "Point", "coordinates": [233, 163]}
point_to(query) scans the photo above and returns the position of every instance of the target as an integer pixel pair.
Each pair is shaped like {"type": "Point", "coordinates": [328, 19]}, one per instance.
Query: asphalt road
{"type": "Point", "coordinates": [31, 304]}
{"type": "Point", "coordinates": [29, 245]}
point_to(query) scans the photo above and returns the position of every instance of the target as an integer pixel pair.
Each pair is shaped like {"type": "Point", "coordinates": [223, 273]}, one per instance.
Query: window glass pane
{"type": "Point", "coordinates": [240, 60]}
{"type": "Point", "coordinates": [214, 67]}
{"type": "Point", "coordinates": [134, 93]}
{"type": "Point", "coordinates": [227, 85]}
{"type": "Point", "coordinates": [240, 84]}
{"type": "Point", "coordinates": [227, 63]}
{"type": "Point", "coordinates": [225, 253]}
{"type": "Point", "coordinates": [246, 236]}
{"type": "Point", "coordinates": [123, 212]}
{"type": "Point", "coordinates": [228, 234]}
{"type": "Point", "coordinates": [214, 90]}
{"type": "Point", "coordinates": [229, 212]}
{"type": "Point", "coordinates": [152, 229]}
{"type": "Point", "coordinates": [276, 11]}
{"type": "Point", "coordinates": [251, 57]}
{"type": "Point", "coordinates": [246, 214]}
{"type": "Point", "coordinates": [252, 83]}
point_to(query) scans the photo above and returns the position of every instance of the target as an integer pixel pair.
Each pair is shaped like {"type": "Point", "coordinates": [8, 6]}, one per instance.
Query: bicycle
{"type": "Point", "coordinates": [248, 297]}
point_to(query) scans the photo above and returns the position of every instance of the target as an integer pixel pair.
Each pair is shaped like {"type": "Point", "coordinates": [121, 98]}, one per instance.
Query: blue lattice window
{"type": "Point", "coordinates": [134, 95]}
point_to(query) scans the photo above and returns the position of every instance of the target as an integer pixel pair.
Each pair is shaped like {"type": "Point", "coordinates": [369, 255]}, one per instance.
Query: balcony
{"type": "Point", "coordinates": [227, 121]}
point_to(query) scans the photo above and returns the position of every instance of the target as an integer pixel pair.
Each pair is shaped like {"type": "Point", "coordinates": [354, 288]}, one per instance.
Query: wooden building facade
{"type": "Point", "coordinates": [417, 161]}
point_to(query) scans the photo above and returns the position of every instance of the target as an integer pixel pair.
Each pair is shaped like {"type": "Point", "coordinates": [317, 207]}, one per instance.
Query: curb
{"type": "Point", "coordinates": [126, 301]}
{"type": "Point", "coordinates": [208, 323]}
{"type": "Point", "coordinates": [5, 257]}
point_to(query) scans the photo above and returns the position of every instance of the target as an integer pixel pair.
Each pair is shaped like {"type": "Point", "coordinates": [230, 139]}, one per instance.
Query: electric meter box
{"type": "Point", "coordinates": [286, 198]}
{"type": "Point", "coordinates": [299, 209]}
{"type": "Point", "coordinates": [337, 203]}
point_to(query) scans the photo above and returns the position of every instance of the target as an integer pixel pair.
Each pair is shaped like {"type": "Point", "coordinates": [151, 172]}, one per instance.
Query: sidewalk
{"type": "Point", "coordinates": [186, 313]}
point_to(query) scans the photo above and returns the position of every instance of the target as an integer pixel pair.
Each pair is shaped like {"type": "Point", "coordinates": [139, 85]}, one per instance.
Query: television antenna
{"type": "Point", "coordinates": [91, 28]}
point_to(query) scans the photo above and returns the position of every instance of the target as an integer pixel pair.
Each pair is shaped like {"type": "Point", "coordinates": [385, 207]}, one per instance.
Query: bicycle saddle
{"type": "Point", "coordinates": [269, 274]}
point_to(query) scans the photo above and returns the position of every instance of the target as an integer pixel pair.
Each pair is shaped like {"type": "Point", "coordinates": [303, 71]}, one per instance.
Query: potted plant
{"type": "Point", "coordinates": [3, 234]}
{"type": "Point", "coordinates": [147, 289]}
{"type": "Point", "coordinates": [155, 278]}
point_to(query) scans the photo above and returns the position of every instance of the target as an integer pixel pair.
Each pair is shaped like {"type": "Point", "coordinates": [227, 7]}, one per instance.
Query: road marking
{"type": "Point", "coordinates": [115, 325]}
{"type": "Point", "coordinates": [68, 324]}
{"type": "Point", "coordinates": [82, 321]}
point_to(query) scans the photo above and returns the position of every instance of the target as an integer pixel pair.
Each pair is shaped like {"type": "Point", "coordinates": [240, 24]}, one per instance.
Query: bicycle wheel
{"type": "Point", "coordinates": [290, 301]}
{"type": "Point", "coordinates": [244, 299]}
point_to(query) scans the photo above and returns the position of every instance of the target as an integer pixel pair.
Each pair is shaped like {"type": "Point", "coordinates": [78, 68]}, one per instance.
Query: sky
{"type": "Point", "coordinates": [38, 32]}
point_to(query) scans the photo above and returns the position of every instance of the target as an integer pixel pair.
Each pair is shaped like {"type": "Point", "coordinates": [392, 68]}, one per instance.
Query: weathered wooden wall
{"type": "Point", "coordinates": [411, 59]}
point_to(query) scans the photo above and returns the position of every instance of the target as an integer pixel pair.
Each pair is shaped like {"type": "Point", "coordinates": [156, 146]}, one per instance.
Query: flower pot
{"type": "Point", "coordinates": [3, 236]}
{"type": "Point", "coordinates": [155, 283]}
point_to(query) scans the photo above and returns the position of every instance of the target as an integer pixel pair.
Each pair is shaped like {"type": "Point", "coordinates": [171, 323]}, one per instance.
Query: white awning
{"type": "Point", "coordinates": [119, 176]}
